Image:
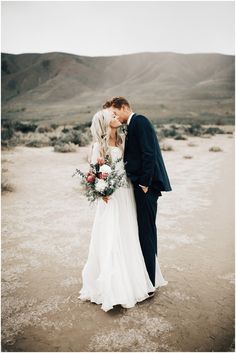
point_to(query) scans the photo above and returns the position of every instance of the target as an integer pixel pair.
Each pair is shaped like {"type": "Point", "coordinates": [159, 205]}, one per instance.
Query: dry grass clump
{"type": "Point", "coordinates": [75, 136]}
{"type": "Point", "coordinates": [44, 128]}
{"type": "Point", "coordinates": [166, 147]}
{"type": "Point", "coordinates": [180, 137]}
{"type": "Point", "coordinates": [215, 149]}
{"type": "Point", "coordinates": [65, 147]}
{"type": "Point", "coordinates": [35, 143]}
{"type": "Point", "coordinates": [6, 186]}
{"type": "Point", "coordinates": [212, 130]}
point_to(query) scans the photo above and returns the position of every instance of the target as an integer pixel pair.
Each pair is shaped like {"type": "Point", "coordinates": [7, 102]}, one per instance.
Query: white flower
{"type": "Point", "coordinates": [105, 169]}
{"type": "Point", "coordinates": [100, 185]}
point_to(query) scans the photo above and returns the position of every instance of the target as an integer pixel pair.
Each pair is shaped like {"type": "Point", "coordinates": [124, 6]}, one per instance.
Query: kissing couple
{"type": "Point", "coordinates": [122, 265]}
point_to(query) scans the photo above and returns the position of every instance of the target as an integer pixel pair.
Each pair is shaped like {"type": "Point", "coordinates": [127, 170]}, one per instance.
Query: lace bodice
{"type": "Point", "coordinates": [116, 153]}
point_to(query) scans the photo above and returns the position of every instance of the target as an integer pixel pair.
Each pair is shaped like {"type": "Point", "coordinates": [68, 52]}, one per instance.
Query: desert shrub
{"type": "Point", "coordinates": [77, 137]}
{"type": "Point", "coordinates": [213, 130]}
{"type": "Point", "coordinates": [12, 142]}
{"type": "Point", "coordinates": [160, 135]}
{"type": "Point", "coordinates": [165, 147]}
{"type": "Point", "coordinates": [8, 138]}
{"type": "Point", "coordinates": [25, 127]}
{"type": "Point", "coordinates": [194, 129]}
{"type": "Point", "coordinates": [65, 147]}
{"type": "Point", "coordinates": [180, 137]}
{"type": "Point", "coordinates": [6, 186]}
{"type": "Point", "coordinates": [7, 129]}
{"type": "Point", "coordinates": [187, 156]}
{"type": "Point", "coordinates": [34, 143]}
{"type": "Point", "coordinates": [53, 140]}
{"type": "Point", "coordinates": [229, 132]}
{"type": "Point", "coordinates": [158, 125]}
{"type": "Point", "coordinates": [44, 128]}
{"type": "Point", "coordinates": [168, 132]}
{"type": "Point", "coordinates": [32, 139]}
{"type": "Point", "coordinates": [7, 133]}
{"type": "Point", "coordinates": [66, 137]}
{"type": "Point", "coordinates": [4, 144]}
{"type": "Point", "coordinates": [65, 130]}
{"type": "Point", "coordinates": [86, 137]}
{"type": "Point", "coordinates": [215, 149]}
{"type": "Point", "coordinates": [54, 126]}
{"type": "Point", "coordinates": [82, 127]}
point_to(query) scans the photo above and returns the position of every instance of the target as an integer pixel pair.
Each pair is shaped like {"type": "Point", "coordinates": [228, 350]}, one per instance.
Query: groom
{"type": "Point", "coordinates": [145, 168]}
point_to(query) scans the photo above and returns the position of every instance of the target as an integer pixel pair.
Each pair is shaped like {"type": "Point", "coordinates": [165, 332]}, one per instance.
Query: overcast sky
{"type": "Point", "coordinates": [103, 28]}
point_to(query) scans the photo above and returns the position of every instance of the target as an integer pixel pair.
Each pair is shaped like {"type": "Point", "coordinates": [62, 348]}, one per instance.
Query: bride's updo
{"type": "Point", "coordinates": [101, 131]}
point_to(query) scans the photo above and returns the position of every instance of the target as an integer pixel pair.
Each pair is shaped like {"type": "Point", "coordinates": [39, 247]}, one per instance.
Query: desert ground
{"type": "Point", "coordinates": [46, 225]}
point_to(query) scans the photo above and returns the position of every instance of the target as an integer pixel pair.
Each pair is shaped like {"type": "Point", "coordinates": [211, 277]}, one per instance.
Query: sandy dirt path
{"type": "Point", "coordinates": [46, 227]}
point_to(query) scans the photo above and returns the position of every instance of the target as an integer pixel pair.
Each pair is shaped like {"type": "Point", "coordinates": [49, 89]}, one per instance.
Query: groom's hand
{"type": "Point", "coordinates": [145, 188]}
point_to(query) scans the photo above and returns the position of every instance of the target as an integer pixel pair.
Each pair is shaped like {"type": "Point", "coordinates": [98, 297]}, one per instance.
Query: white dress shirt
{"type": "Point", "coordinates": [129, 118]}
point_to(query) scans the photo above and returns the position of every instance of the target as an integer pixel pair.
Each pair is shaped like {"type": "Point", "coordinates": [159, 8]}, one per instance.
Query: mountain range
{"type": "Point", "coordinates": [66, 88]}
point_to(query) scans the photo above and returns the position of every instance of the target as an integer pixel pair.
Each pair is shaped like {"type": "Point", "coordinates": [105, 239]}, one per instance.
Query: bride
{"type": "Point", "coordinates": [115, 271]}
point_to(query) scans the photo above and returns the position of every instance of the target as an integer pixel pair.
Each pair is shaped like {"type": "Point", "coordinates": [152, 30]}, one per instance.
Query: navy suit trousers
{"type": "Point", "coordinates": [146, 205]}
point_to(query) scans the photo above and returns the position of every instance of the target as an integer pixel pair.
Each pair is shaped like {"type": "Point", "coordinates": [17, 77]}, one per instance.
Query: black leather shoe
{"type": "Point", "coordinates": [151, 294]}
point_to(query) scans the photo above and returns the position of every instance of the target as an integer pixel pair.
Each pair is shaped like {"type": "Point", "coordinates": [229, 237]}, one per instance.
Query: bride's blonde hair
{"type": "Point", "coordinates": [101, 131]}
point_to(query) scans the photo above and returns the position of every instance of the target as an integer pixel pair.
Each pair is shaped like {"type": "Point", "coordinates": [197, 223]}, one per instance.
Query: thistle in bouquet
{"type": "Point", "coordinates": [102, 179]}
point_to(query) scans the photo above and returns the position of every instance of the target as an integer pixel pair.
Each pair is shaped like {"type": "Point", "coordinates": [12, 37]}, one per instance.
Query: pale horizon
{"type": "Point", "coordinates": [134, 53]}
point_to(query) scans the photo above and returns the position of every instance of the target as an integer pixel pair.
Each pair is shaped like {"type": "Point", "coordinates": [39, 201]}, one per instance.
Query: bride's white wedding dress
{"type": "Point", "coordinates": [115, 271]}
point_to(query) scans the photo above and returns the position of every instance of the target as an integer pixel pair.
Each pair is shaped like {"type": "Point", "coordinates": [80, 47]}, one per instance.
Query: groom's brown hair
{"type": "Point", "coordinates": [116, 102]}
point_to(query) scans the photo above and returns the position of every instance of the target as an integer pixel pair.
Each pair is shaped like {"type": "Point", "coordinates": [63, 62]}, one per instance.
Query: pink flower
{"type": "Point", "coordinates": [101, 161]}
{"type": "Point", "coordinates": [90, 178]}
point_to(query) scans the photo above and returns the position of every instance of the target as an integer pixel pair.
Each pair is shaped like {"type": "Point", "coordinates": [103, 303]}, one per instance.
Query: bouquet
{"type": "Point", "coordinates": [102, 179]}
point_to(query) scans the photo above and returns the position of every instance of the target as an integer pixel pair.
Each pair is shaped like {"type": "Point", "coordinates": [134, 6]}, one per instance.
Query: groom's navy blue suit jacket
{"type": "Point", "coordinates": [142, 155]}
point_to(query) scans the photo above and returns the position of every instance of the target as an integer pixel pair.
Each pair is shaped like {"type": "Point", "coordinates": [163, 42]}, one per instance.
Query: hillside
{"type": "Point", "coordinates": [60, 87]}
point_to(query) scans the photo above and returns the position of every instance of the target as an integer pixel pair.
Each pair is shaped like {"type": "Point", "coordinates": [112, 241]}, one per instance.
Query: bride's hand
{"type": "Point", "coordinates": [105, 198]}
